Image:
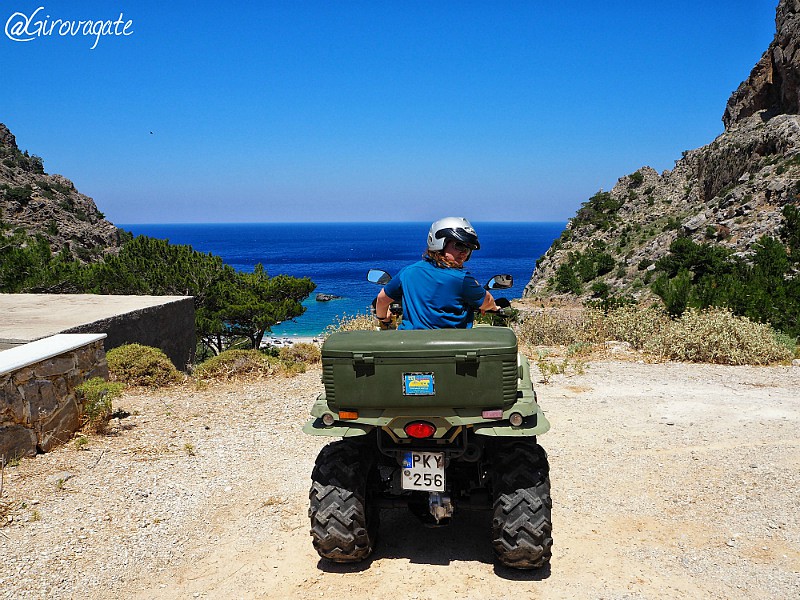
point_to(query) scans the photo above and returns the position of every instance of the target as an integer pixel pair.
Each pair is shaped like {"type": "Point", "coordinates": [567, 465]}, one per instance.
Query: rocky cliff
{"type": "Point", "coordinates": [49, 205]}
{"type": "Point", "coordinates": [730, 192]}
{"type": "Point", "coordinates": [774, 83]}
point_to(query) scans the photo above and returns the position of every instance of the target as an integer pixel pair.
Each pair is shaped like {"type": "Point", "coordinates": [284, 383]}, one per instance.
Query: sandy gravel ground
{"type": "Point", "coordinates": [668, 481]}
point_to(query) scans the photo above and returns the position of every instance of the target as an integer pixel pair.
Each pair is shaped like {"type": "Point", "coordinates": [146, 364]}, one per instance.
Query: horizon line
{"type": "Point", "coordinates": [319, 222]}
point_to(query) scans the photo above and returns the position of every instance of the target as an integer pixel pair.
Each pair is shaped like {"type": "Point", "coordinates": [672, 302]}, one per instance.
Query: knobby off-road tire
{"type": "Point", "coordinates": [344, 523]}
{"type": "Point", "coordinates": [521, 524]}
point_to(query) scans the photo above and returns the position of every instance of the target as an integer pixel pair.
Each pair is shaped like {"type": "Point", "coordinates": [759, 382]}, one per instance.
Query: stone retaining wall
{"type": "Point", "coordinates": [38, 404]}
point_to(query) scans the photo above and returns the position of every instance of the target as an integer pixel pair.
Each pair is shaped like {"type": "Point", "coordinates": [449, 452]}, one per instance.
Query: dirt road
{"type": "Point", "coordinates": [668, 481]}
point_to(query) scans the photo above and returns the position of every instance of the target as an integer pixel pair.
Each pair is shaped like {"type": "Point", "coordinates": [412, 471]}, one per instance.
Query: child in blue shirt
{"type": "Point", "coordinates": [437, 292]}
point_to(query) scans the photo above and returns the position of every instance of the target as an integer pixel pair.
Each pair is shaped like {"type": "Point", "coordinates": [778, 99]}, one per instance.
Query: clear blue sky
{"type": "Point", "coordinates": [378, 111]}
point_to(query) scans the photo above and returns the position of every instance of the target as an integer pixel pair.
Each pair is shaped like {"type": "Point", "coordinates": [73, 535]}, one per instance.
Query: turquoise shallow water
{"type": "Point", "coordinates": [337, 256]}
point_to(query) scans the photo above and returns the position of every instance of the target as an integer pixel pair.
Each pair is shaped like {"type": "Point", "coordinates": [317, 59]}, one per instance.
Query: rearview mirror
{"type": "Point", "coordinates": [500, 282]}
{"type": "Point", "coordinates": [378, 276]}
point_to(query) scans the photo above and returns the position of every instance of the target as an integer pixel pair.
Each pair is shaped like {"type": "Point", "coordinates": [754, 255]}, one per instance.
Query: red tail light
{"type": "Point", "coordinates": [419, 429]}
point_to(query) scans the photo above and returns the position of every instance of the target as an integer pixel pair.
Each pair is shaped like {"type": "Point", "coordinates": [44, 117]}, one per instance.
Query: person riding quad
{"type": "Point", "coordinates": [437, 292]}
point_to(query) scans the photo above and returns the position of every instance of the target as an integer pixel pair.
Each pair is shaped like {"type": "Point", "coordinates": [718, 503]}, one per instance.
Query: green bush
{"type": "Point", "coordinates": [599, 211]}
{"type": "Point", "coordinates": [674, 292]}
{"type": "Point", "coordinates": [96, 396]}
{"type": "Point", "coordinates": [593, 264]}
{"type": "Point", "coordinates": [582, 267]}
{"type": "Point", "coordinates": [19, 194]}
{"type": "Point", "coordinates": [141, 365]}
{"type": "Point", "coordinates": [788, 342]}
{"type": "Point", "coordinates": [234, 364]}
{"type": "Point", "coordinates": [566, 280]}
{"type": "Point", "coordinates": [763, 286]}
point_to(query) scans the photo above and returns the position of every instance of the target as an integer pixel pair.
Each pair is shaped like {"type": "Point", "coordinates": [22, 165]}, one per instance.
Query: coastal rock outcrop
{"type": "Point", "coordinates": [327, 297]}
{"type": "Point", "coordinates": [731, 191]}
{"type": "Point", "coordinates": [49, 206]}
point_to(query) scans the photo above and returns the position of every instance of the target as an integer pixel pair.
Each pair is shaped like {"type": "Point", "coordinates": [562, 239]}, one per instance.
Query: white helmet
{"type": "Point", "coordinates": [452, 228]}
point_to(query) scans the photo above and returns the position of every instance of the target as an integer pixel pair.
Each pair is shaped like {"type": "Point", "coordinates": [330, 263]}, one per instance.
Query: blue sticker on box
{"type": "Point", "coordinates": [418, 384]}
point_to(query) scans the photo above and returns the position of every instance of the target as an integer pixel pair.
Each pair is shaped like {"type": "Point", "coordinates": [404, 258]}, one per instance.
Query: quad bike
{"type": "Point", "coordinates": [436, 421]}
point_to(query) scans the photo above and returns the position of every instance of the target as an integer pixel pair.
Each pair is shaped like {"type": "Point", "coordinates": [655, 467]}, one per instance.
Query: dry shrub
{"type": "Point", "coordinates": [96, 396]}
{"type": "Point", "coordinates": [357, 322]}
{"type": "Point", "coordinates": [716, 335]}
{"type": "Point", "coordinates": [135, 364]}
{"type": "Point", "coordinates": [242, 364]}
{"type": "Point", "coordinates": [552, 328]}
{"type": "Point", "coordinates": [634, 324]}
{"type": "Point", "coordinates": [234, 364]}
{"type": "Point", "coordinates": [713, 335]}
{"type": "Point", "coordinates": [290, 368]}
{"type": "Point", "coordinates": [301, 352]}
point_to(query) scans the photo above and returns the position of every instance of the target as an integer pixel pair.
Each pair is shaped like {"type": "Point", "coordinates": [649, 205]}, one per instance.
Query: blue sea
{"type": "Point", "coordinates": [337, 256]}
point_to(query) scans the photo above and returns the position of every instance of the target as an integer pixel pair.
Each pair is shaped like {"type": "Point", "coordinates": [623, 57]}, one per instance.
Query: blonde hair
{"type": "Point", "coordinates": [438, 258]}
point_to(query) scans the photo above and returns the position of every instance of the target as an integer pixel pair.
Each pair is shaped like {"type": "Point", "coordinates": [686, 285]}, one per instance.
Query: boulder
{"type": "Point", "coordinates": [17, 441]}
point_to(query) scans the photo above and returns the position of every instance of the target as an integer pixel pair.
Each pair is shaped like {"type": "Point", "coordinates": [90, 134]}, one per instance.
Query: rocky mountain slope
{"type": "Point", "coordinates": [49, 205]}
{"type": "Point", "coordinates": [730, 192]}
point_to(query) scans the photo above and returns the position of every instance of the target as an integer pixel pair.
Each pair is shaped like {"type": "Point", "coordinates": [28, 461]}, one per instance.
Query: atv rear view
{"type": "Point", "coordinates": [436, 421]}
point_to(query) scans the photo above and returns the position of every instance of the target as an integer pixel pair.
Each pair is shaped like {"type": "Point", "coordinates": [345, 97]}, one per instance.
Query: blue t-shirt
{"type": "Point", "coordinates": [435, 297]}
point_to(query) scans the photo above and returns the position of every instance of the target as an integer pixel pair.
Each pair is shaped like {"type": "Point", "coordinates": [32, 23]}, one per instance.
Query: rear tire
{"type": "Point", "coordinates": [521, 524]}
{"type": "Point", "coordinates": [344, 523]}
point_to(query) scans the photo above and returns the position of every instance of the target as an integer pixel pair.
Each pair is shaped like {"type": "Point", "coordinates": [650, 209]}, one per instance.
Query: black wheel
{"type": "Point", "coordinates": [344, 523]}
{"type": "Point", "coordinates": [521, 524]}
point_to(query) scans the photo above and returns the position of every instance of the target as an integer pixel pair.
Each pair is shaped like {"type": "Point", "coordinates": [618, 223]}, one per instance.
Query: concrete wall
{"type": "Point", "coordinates": [38, 404]}
{"type": "Point", "coordinates": [167, 326]}
{"type": "Point", "coordinates": [165, 322]}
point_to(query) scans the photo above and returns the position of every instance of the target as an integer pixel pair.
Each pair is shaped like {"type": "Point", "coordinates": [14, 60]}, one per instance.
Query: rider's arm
{"type": "Point", "coordinates": [488, 304]}
{"type": "Point", "coordinates": [382, 305]}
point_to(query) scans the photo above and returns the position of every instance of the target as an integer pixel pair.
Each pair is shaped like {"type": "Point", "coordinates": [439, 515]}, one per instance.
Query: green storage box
{"type": "Point", "coordinates": [455, 368]}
